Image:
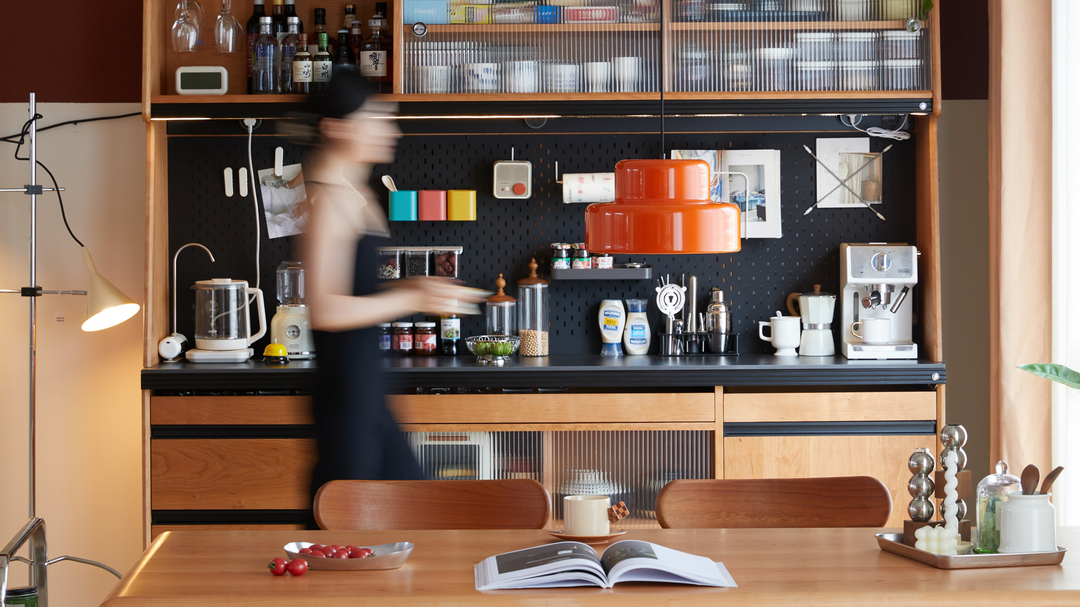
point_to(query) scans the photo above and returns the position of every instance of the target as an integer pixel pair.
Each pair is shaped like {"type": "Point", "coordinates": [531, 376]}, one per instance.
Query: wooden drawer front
{"type": "Point", "coordinates": [230, 410]}
{"type": "Point", "coordinates": [830, 406]}
{"type": "Point", "coordinates": [156, 530]}
{"type": "Point", "coordinates": [882, 457]}
{"type": "Point", "coordinates": [553, 408]}
{"type": "Point", "coordinates": [231, 474]}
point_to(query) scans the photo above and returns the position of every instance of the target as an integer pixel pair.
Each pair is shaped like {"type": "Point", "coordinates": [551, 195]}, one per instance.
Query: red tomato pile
{"type": "Point", "coordinates": [279, 566]}
{"type": "Point", "coordinates": [334, 551]}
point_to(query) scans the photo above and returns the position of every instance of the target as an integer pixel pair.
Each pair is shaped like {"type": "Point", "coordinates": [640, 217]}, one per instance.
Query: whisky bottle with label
{"type": "Point", "coordinates": [374, 59]}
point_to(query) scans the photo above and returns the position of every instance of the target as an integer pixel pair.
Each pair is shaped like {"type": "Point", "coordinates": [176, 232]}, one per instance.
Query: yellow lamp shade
{"type": "Point", "coordinates": [106, 306]}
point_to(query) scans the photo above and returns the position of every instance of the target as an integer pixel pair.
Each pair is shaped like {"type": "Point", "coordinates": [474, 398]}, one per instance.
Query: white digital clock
{"type": "Point", "coordinates": [202, 80]}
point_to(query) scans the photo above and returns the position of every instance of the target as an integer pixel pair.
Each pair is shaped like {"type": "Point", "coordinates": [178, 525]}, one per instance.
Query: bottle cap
{"type": "Point", "coordinates": [384, 325]}
{"type": "Point", "coordinates": [403, 324]}
{"type": "Point", "coordinates": [292, 19]}
{"type": "Point", "coordinates": [324, 39]}
{"type": "Point", "coordinates": [350, 8]}
{"type": "Point", "coordinates": [265, 20]}
{"type": "Point", "coordinates": [425, 325]}
{"type": "Point", "coordinates": [320, 15]}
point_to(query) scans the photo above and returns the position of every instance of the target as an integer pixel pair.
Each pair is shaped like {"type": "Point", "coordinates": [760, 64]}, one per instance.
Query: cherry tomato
{"type": "Point", "coordinates": [341, 554]}
{"type": "Point", "coordinates": [297, 566]}
{"type": "Point", "coordinates": [351, 549]}
{"type": "Point", "coordinates": [316, 547]}
{"type": "Point", "coordinates": [305, 551]}
{"type": "Point", "coordinates": [316, 553]}
{"type": "Point", "coordinates": [278, 566]}
{"type": "Point", "coordinates": [336, 547]}
{"type": "Point", "coordinates": [329, 552]}
{"type": "Point", "coordinates": [361, 553]}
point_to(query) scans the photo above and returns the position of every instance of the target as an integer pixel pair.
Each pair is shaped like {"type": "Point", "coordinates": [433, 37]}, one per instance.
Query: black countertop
{"type": "Point", "coordinates": [563, 371]}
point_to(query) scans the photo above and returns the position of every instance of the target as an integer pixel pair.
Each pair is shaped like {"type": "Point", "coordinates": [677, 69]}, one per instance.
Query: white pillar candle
{"type": "Point", "coordinates": [949, 508]}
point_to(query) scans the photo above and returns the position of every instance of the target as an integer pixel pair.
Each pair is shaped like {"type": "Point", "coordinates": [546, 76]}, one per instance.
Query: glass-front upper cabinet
{"type": "Point", "coordinates": [799, 45]}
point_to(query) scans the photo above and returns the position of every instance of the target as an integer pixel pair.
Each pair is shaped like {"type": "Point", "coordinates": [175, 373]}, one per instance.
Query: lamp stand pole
{"type": "Point", "coordinates": [33, 532]}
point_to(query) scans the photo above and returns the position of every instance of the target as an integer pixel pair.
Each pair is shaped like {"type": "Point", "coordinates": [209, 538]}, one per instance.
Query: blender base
{"type": "Point", "coordinates": [219, 356]}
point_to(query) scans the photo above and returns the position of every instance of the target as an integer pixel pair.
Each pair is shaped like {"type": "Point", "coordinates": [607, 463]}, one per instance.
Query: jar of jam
{"type": "Point", "coordinates": [386, 337]}
{"type": "Point", "coordinates": [424, 339]}
{"type": "Point", "coordinates": [402, 340]}
{"type": "Point", "coordinates": [560, 256]}
{"type": "Point", "coordinates": [581, 260]}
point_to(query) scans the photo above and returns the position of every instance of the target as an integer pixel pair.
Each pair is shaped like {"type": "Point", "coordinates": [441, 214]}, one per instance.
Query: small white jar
{"type": "Point", "coordinates": [1027, 523]}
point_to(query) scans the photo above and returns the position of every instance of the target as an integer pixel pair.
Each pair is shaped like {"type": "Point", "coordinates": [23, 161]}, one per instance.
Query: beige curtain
{"type": "Point", "coordinates": [1020, 215]}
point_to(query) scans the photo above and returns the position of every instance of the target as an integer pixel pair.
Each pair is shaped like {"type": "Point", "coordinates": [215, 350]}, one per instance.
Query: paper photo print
{"type": "Point", "coordinates": [284, 200]}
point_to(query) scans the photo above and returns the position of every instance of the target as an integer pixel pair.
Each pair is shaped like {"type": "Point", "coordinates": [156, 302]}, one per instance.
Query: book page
{"type": "Point", "coordinates": [577, 564]}
{"type": "Point", "coordinates": [637, 561]}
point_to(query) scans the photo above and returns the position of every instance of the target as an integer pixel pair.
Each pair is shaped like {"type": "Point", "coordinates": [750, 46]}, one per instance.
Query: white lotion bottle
{"type": "Point", "coordinates": [637, 338]}
{"type": "Point", "coordinates": [612, 319]}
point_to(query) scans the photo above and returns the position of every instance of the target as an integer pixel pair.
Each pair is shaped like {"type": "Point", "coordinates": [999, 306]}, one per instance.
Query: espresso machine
{"type": "Point", "coordinates": [876, 281]}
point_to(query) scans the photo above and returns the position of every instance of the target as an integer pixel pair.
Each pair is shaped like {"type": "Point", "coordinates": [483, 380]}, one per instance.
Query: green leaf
{"type": "Point", "coordinates": [927, 6]}
{"type": "Point", "coordinates": [1058, 373]}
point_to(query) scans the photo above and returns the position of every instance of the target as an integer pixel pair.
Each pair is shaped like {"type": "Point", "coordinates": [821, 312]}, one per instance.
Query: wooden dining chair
{"type": "Point", "coordinates": [846, 501]}
{"type": "Point", "coordinates": [482, 504]}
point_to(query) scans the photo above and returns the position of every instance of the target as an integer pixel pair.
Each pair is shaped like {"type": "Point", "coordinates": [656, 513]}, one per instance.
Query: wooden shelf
{"type": "Point", "coordinates": [798, 95]}
{"type": "Point", "coordinates": [619, 273]}
{"type": "Point", "coordinates": [240, 98]}
{"type": "Point", "coordinates": [790, 25]}
{"type": "Point", "coordinates": [507, 28]}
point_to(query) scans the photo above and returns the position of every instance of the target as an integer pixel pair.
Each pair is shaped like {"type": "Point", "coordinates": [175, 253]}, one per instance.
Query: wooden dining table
{"type": "Point", "coordinates": [782, 567]}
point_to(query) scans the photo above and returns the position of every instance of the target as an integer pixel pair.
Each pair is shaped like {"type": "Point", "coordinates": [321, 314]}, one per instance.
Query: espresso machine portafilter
{"type": "Point", "coordinates": [876, 280]}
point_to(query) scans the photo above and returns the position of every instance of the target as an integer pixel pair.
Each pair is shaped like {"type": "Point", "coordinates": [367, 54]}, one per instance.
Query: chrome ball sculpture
{"type": "Point", "coordinates": [921, 485]}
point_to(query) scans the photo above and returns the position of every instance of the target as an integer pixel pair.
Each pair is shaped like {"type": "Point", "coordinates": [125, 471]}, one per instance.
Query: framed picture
{"type": "Point", "coordinates": [712, 157]}
{"type": "Point", "coordinates": [756, 189]}
{"type": "Point", "coordinates": [842, 156]}
{"type": "Point", "coordinates": [284, 200]}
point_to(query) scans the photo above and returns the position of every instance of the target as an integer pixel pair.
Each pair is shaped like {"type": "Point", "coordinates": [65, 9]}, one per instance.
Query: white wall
{"type": "Point", "coordinates": [963, 152]}
{"type": "Point", "coordinates": [89, 488]}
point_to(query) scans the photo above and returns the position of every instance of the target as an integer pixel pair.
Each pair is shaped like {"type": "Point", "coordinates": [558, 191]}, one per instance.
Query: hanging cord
{"type": "Point", "coordinates": [663, 85]}
{"type": "Point", "coordinates": [854, 120]}
{"type": "Point", "coordinates": [10, 138]}
{"type": "Point", "coordinates": [250, 124]}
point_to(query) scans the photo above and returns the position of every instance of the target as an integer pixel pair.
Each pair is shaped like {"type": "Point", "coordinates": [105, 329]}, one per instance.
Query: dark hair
{"type": "Point", "coordinates": [346, 92]}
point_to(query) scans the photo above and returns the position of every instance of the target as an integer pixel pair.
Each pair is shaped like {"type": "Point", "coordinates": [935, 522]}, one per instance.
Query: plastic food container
{"type": "Point", "coordinates": [900, 44]}
{"type": "Point", "coordinates": [417, 261]}
{"type": "Point", "coordinates": [774, 69]}
{"type": "Point", "coordinates": [388, 263]}
{"type": "Point", "coordinates": [858, 75]}
{"type": "Point", "coordinates": [735, 69]}
{"type": "Point", "coordinates": [902, 75]}
{"type": "Point", "coordinates": [815, 75]}
{"type": "Point", "coordinates": [853, 10]}
{"type": "Point", "coordinates": [857, 46]}
{"type": "Point", "coordinates": [815, 46]}
{"type": "Point", "coordinates": [446, 261]}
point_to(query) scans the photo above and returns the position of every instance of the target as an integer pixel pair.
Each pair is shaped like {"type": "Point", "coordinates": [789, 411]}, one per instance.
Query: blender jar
{"type": "Point", "coordinates": [501, 313]}
{"type": "Point", "coordinates": [533, 313]}
{"type": "Point", "coordinates": [290, 283]}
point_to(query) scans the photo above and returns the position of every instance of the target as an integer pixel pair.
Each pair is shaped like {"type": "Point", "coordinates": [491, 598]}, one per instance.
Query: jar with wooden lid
{"type": "Point", "coordinates": [533, 321]}
{"type": "Point", "coordinates": [501, 313]}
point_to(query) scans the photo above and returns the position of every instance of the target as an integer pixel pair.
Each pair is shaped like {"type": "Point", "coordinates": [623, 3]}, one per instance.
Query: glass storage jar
{"type": "Point", "coordinates": [853, 10]}
{"type": "Point", "coordinates": [533, 322]}
{"type": "Point", "coordinates": [386, 337]}
{"type": "Point", "coordinates": [774, 69]}
{"type": "Point", "coordinates": [417, 261]}
{"type": "Point", "coordinates": [388, 263]}
{"type": "Point", "coordinates": [815, 46]}
{"type": "Point", "coordinates": [896, 10]}
{"type": "Point", "coordinates": [990, 495]}
{"type": "Point", "coordinates": [858, 75]}
{"type": "Point", "coordinates": [815, 75]}
{"type": "Point", "coordinates": [446, 261]}
{"type": "Point", "coordinates": [501, 312]}
{"type": "Point", "coordinates": [857, 46]}
{"type": "Point", "coordinates": [425, 339]}
{"type": "Point", "coordinates": [735, 68]}
{"type": "Point", "coordinates": [900, 44]}
{"type": "Point", "coordinates": [902, 75]}
{"type": "Point", "coordinates": [402, 339]}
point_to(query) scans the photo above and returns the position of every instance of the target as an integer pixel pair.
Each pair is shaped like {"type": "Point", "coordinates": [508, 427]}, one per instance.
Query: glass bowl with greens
{"type": "Point", "coordinates": [493, 349]}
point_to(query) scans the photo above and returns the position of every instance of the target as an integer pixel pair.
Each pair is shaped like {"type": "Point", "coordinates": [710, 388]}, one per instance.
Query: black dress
{"type": "Point", "coordinates": [358, 438]}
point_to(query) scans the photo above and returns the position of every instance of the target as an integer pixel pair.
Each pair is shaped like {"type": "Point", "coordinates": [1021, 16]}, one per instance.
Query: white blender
{"type": "Point", "coordinates": [222, 321]}
{"type": "Point", "coordinates": [816, 310]}
{"type": "Point", "coordinates": [291, 325]}
{"type": "Point", "coordinates": [876, 280]}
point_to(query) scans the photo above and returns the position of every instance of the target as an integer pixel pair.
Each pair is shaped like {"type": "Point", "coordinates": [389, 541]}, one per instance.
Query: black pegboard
{"type": "Point", "coordinates": [508, 232]}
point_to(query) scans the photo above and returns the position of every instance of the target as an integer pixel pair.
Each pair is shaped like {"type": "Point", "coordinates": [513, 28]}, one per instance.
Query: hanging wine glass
{"type": "Point", "coordinates": [185, 30]}
{"type": "Point", "coordinates": [228, 35]}
{"type": "Point", "coordinates": [195, 11]}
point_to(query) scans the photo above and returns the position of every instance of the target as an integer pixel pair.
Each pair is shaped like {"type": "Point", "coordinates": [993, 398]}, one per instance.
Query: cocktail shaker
{"type": "Point", "coordinates": [718, 321]}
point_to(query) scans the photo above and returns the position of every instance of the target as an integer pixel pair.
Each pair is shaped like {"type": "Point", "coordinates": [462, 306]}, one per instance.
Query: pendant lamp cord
{"type": "Point", "coordinates": [663, 85]}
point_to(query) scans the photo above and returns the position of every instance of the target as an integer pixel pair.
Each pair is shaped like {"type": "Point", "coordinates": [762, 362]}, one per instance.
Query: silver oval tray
{"type": "Point", "coordinates": [893, 542]}
{"type": "Point", "coordinates": [387, 556]}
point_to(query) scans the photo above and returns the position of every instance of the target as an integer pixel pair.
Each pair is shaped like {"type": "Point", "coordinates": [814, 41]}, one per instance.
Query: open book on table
{"type": "Point", "coordinates": [575, 564]}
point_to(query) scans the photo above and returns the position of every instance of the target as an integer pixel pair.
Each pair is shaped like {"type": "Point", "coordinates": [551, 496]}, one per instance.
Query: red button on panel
{"type": "Point", "coordinates": [519, 189]}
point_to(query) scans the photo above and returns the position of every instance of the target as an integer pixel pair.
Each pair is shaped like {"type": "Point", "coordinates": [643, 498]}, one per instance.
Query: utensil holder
{"type": "Point", "coordinates": [403, 205]}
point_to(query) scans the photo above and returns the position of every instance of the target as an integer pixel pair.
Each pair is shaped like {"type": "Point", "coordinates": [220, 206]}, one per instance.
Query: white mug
{"type": "Point", "coordinates": [481, 77]}
{"type": "Point", "coordinates": [1026, 523]}
{"type": "Point", "coordinates": [627, 73]}
{"type": "Point", "coordinates": [872, 330]}
{"type": "Point", "coordinates": [434, 78]}
{"type": "Point", "coordinates": [597, 76]}
{"type": "Point", "coordinates": [785, 332]}
{"type": "Point", "coordinates": [521, 76]}
{"type": "Point", "coordinates": [561, 77]}
{"type": "Point", "coordinates": [586, 515]}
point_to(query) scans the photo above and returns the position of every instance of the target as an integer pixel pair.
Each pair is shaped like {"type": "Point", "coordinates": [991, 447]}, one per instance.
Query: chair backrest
{"type": "Point", "coordinates": [485, 504]}
{"type": "Point", "coordinates": [847, 501]}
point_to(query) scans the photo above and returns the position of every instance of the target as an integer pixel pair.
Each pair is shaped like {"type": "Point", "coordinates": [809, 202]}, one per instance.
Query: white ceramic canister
{"type": "Point", "coordinates": [1027, 523]}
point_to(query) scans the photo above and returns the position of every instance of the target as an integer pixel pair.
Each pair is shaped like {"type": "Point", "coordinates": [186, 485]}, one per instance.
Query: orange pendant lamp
{"type": "Point", "coordinates": [662, 207]}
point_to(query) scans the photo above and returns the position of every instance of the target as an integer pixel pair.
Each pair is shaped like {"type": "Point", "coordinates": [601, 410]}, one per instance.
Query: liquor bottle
{"type": "Point", "coordinates": [278, 17]}
{"type": "Point", "coordinates": [355, 38]}
{"type": "Point", "coordinates": [320, 27]}
{"type": "Point", "coordinates": [343, 59]}
{"type": "Point", "coordinates": [290, 11]}
{"type": "Point", "coordinates": [375, 54]}
{"type": "Point", "coordinates": [301, 75]}
{"type": "Point", "coordinates": [266, 60]}
{"type": "Point", "coordinates": [350, 16]}
{"type": "Point", "coordinates": [252, 34]}
{"type": "Point", "coordinates": [289, 48]}
{"type": "Point", "coordinates": [321, 65]}
{"type": "Point", "coordinates": [450, 333]}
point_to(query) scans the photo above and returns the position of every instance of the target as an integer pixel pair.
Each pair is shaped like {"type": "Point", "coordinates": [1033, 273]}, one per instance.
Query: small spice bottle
{"type": "Point", "coordinates": [424, 339]}
{"type": "Point", "coordinates": [560, 256]}
{"type": "Point", "coordinates": [402, 339]}
{"type": "Point", "coordinates": [386, 337]}
{"type": "Point", "coordinates": [581, 261]}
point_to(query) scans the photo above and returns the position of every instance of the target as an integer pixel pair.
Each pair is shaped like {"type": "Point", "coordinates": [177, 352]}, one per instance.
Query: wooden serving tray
{"type": "Point", "coordinates": [893, 542]}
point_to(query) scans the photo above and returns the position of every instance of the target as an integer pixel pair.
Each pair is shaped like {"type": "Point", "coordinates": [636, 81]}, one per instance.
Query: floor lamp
{"type": "Point", "coordinates": [106, 306]}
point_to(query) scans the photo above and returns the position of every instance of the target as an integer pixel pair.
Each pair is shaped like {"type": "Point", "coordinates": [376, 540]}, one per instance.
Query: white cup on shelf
{"type": "Point", "coordinates": [562, 77]}
{"type": "Point", "coordinates": [872, 330]}
{"type": "Point", "coordinates": [481, 77]}
{"type": "Point", "coordinates": [521, 76]}
{"type": "Point", "coordinates": [627, 73]}
{"type": "Point", "coordinates": [434, 78]}
{"type": "Point", "coordinates": [785, 332]}
{"type": "Point", "coordinates": [598, 77]}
